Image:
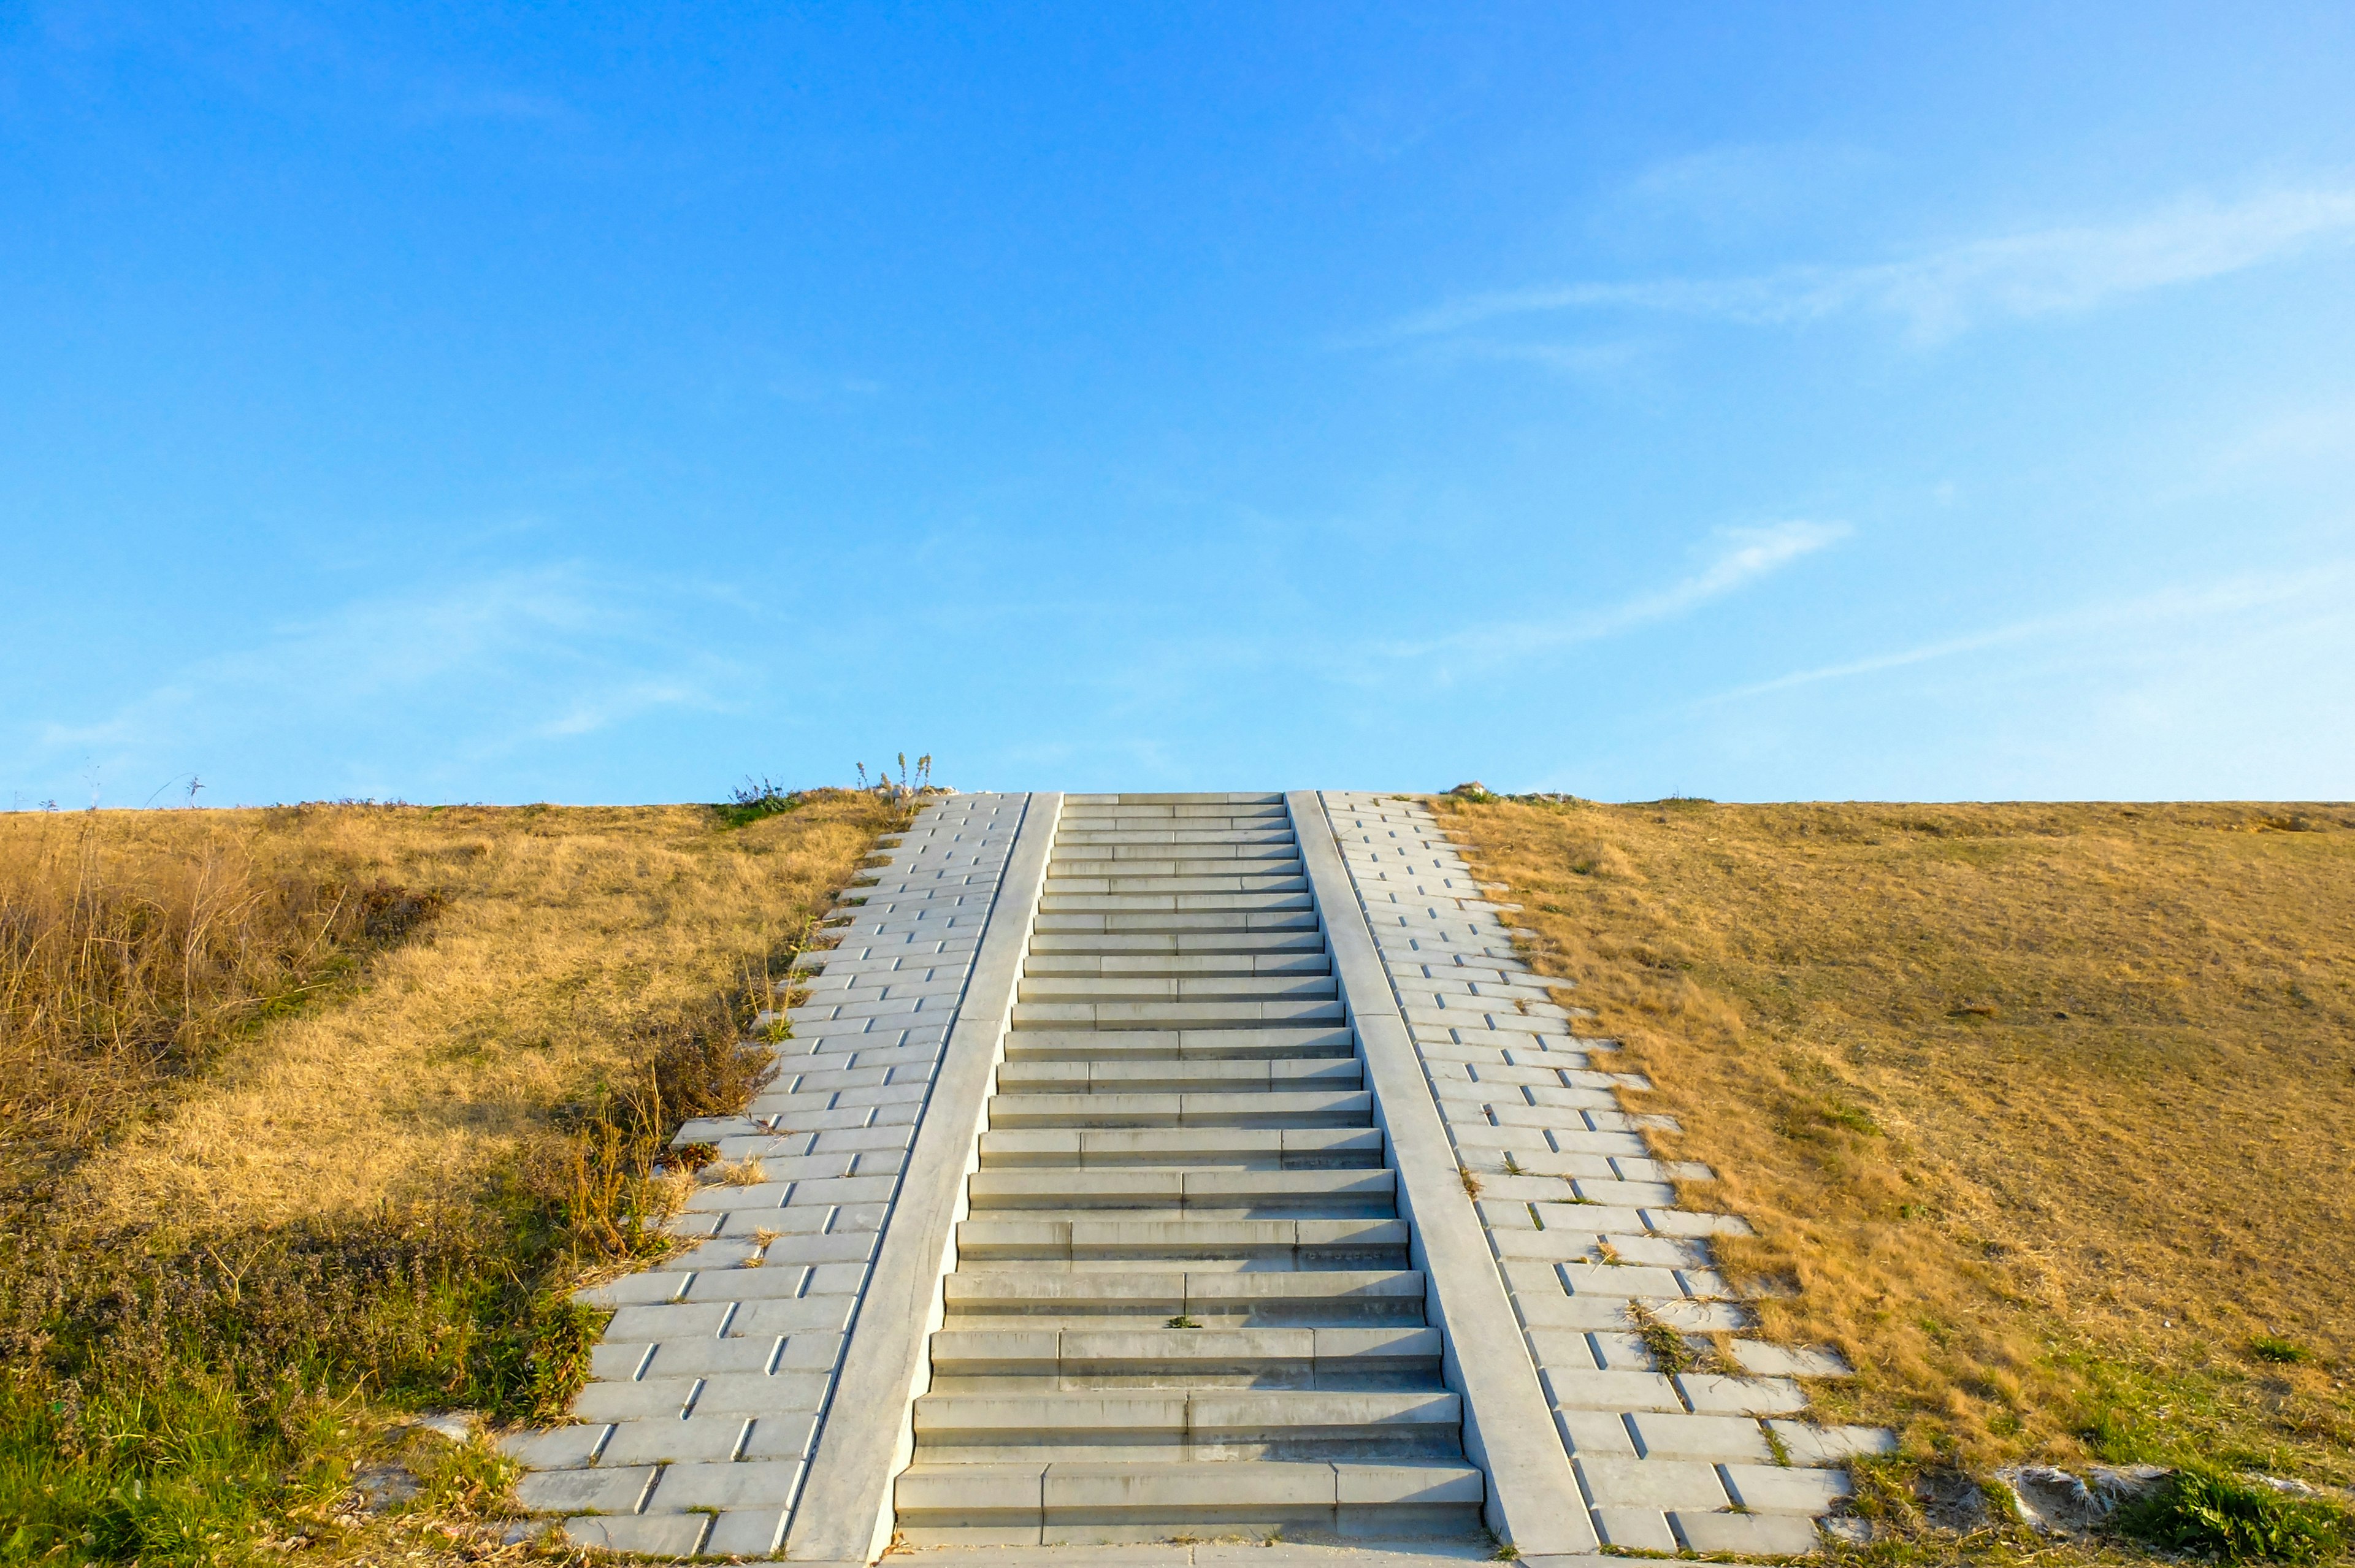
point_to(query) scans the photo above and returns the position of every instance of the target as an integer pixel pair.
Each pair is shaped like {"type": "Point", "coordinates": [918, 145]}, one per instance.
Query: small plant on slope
{"type": "Point", "coordinates": [2231, 1519]}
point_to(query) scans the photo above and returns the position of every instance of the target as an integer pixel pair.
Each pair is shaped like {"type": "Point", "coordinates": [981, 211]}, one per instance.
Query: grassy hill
{"type": "Point", "coordinates": [2046, 1113]}
{"type": "Point", "coordinates": [310, 1116]}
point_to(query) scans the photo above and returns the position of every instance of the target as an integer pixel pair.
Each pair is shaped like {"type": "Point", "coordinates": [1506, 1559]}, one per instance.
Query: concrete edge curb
{"type": "Point", "coordinates": [844, 1513]}
{"type": "Point", "coordinates": [1534, 1500]}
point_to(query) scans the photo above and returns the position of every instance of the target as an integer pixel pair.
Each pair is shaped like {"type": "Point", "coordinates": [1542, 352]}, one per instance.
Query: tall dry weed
{"type": "Point", "coordinates": [124, 962]}
{"type": "Point", "coordinates": [295, 1169]}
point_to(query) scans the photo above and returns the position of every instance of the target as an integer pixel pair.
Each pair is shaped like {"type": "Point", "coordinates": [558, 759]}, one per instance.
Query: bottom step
{"type": "Point", "coordinates": [1082, 1504]}
{"type": "Point", "coordinates": [1354, 1552]}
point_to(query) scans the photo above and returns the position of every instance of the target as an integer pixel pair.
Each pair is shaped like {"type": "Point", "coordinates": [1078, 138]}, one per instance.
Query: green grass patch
{"type": "Point", "coordinates": [2212, 1513]}
{"type": "Point", "coordinates": [2284, 1352]}
{"type": "Point", "coordinates": [756, 800]}
{"type": "Point", "coordinates": [165, 1399]}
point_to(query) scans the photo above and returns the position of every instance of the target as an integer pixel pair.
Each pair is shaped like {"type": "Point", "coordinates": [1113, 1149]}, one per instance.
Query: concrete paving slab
{"type": "Point", "coordinates": [1809, 1444]}
{"type": "Point", "coordinates": [1745, 1535]}
{"type": "Point", "coordinates": [649, 1535]}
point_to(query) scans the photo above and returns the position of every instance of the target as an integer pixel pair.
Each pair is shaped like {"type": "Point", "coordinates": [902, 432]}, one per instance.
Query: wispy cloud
{"type": "Point", "coordinates": [443, 102]}
{"type": "Point", "coordinates": [1742, 557]}
{"type": "Point", "coordinates": [1939, 294]}
{"type": "Point", "coordinates": [1737, 188]}
{"type": "Point", "coordinates": [470, 670]}
{"type": "Point", "coordinates": [2295, 438]}
{"type": "Point", "coordinates": [1601, 362]}
{"type": "Point", "coordinates": [2171, 606]}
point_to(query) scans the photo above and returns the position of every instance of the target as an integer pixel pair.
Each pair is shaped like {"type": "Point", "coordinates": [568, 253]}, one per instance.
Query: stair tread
{"type": "Point", "coordinates": [1071, 1345]}
{"type": "Point", "coordinates": [1172, 987]}
{"type": "Point", "coordinates": [1323, 1041]}
{"type": "Point", "coordinates": [1212, 1074]}
{"type": "Point", "coordinates": [1179, 1407]}
{"type": "Point", "coordinates": [1176, 1102]}
{"type": "Point", "coordinates": [1206, 1185]}
{"type": "Point", "coordinates": [1109, 1015]}
{"type": "Point", "coordinates": [1226, 955]}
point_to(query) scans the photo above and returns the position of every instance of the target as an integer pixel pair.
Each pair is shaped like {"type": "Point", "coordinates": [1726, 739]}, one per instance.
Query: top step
{"type": "Point", "coordinates": [1179, 816]}
{"type": "Point", "coordinates": [1250, 798]}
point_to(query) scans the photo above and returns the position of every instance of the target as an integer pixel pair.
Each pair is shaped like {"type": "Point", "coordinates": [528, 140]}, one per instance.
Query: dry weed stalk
{"type": "Point", "coordinates": [126, 959]}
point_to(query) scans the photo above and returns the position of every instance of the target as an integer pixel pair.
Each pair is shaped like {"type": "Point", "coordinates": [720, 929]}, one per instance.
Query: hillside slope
{"type": "Point", "coordinates": [2048, 1112]}
{"type": "Point", "coordinates": [313, 1115]}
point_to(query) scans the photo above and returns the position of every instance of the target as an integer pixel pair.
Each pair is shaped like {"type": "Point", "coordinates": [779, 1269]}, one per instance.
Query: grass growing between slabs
{"type": "Point", "coordinates": [2045, 1114]}
{"type": "Point", "coordinates": [311, 1117]}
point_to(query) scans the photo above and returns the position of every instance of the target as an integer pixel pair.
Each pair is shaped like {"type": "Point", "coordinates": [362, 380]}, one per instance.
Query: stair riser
{"type": "Point", "coordinates": [1201, 943]}
{"type": "Point", "coordinates": [1230, 1315]}
{"type": "Point", "coordinates": [1108, 1119]}
{"type": "Point", "coordinates": [1371, 1444]}
{"type": "Point", "coordinates": [1188, 924]}
{"type": "Point", "coordinates": [1098, 1527]}
{"type": "Point", "coordinates": [1159, 1017]}
{"type": "Point", "coordinates": [981, 1380]}
{"type": "Point", "coordinates": [1174, 903]}
{"type": "Point", "coordinates": [1339, 1074]}
{"type": "Point", "coordinates": [1371, 1159]}
{"type": "Point", "coordinates": [1122, 825]}
{"type": "Point", "coordinates": [1093, 989]}
{"type": "Point", "coordinates": [1274, 1208]}
{"type": "Point", "coordinates": [1173, 1147]}
{"type": "Point", "coordinates": [1176, 964]}
{"type": "Point", "coordinates": [1286, 1042]}
{"type": "Point", "coordinates": [1170, 866]}
{"type": "Point", "coordinates": [1290, 1260]}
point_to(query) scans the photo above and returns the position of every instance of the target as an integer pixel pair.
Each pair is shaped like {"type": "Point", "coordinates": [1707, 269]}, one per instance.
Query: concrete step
{"type": "Point", "coordinates": [1072, 891]}
{"type": "Point", "coordinates": [1218, 942]}
{"type": "Point", "coordinates": [1269, 808]}
{"type": "Point", "coordinates": [1169, 903]}
{"type": "Point", "coordinates": [1067, 868]}
{"type": "Point", "coordinates": [1318, 1042]}
{"type": "Point", "coordinates": [1222, 849]}
{"type": "Point", "coordinates": [1140, 987]}
{"type": "Point", "coordinates": [1176, 839]}
{"type": "Point", "coordinates": [1129, 1187]}
{"type": "Point", "coordinates": [1168, 804]}
{"type": "Point", "coordinates": [1231, 797]}
{"type": "Point", "coordinates": [1197, 1425]}
{"type": "Point", "coordinates": [1175, 1015]}
{"type": "Point", "coordinates": [1116, 964]}
{"type": "Point", "coordinates": [1191, 1149]}
{"type": "Point", "coordinates": [1179, 1074]}
{"type": "Point", "coordinates": [1263, 1108]}
{"type": "Point", "coordinates": [1232, 819]}
{"type": "Point", "coordinates": [1262, 1243]}
{"type": "Point", "coordinates": [1225, 925]}
{"type": "Point", "coordinates": [1349, 1359]}
{"type": "Point", "coordinates": [1318, 1298]}
{"type": "Point", "coordinates": [1087, 1504]}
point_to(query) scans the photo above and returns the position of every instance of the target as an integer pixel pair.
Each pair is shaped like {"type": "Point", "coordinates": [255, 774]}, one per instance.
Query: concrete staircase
{"type": "Point", "coordinates": [1182, 1307]}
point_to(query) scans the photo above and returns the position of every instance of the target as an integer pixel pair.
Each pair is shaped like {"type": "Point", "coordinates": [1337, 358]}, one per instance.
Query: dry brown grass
{"type": "Point", "coordinates": [125, 964]}
{"type": "Point", "coordinates": [319, 1113]}
{"type": "Point", "coordinates": [563, 932]}
{"type": "Point", "coordinates": [2048, 1111]}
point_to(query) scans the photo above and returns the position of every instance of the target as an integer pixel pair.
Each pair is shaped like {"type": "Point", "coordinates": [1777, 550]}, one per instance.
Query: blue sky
{"type": "Point", "coordinates": [602, 404]}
